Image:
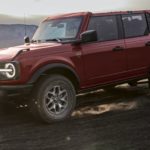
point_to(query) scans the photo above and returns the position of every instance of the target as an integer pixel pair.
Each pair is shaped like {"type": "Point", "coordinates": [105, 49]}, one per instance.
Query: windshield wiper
{"type": "Point", "coordinates": [35, 41]}
{"type": "Point", "coordinates": [56, 39]}
{"type": "Point", "coordinates": [38, 41]}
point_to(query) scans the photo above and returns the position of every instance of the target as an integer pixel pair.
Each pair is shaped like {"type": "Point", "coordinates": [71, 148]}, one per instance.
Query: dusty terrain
{"type": "Point", "coordinates": [114, 120]}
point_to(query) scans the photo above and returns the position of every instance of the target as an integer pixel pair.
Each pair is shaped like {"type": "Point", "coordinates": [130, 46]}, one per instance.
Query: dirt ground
{"type": "Point", "coordinates": [114, 120]}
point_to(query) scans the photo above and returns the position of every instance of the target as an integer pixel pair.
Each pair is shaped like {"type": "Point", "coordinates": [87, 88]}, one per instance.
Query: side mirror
{"type": "Point", "coordinates": [89, 36]}
{"type": "Point", "coordinates": [26, 39]}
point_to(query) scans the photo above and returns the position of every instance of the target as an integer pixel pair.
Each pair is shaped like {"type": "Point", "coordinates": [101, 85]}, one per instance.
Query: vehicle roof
{"type": "Point", "coordinates": [58, 16]}
{"type": "Point", "coordinates": [78, 14]}
{"type": "Point", "coordinates": [121, 12]}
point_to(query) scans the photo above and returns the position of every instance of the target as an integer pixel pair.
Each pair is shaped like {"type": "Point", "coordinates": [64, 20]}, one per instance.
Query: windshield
{"type": "Point", "coordinates": [58, 29]}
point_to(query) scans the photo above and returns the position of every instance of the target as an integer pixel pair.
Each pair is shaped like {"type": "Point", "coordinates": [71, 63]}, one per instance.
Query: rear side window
{"type": "Point", "coordinates": [106, 27]}
{"type": "Point", "coordinates": [148, 20]}
{"type": "Point", "coordinates": [134, 25]}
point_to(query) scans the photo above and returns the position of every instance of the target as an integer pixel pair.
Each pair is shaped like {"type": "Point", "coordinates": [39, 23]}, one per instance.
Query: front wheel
{"type": "Point", "coordinates": [53, 99]}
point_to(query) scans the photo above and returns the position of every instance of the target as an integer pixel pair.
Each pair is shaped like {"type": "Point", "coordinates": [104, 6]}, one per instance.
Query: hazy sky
{"type": "Point", "coordinates": [45, 7]}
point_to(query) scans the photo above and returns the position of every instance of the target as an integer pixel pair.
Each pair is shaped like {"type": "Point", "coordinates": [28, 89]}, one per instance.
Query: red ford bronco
{"type": "Point", "coordinates": [72, 53]}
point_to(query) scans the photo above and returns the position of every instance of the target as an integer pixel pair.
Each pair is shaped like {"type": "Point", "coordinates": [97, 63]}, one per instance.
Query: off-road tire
{"type": "Point", "coordinates": [38, 106]}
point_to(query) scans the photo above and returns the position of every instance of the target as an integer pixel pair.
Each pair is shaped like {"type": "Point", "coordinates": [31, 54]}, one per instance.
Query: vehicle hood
{"type": "Point", "coordinates": [10, 53]}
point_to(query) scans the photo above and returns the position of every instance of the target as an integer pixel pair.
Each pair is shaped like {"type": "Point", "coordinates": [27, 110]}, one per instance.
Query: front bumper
{"type": "Point", "coordinates": [7, 91]}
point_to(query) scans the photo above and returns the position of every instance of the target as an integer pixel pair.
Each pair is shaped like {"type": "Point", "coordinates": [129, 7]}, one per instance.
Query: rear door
{"type": "Point", "coordinates": [137, 43]}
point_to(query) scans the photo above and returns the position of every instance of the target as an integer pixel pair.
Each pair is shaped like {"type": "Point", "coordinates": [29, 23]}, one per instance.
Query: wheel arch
{"type": "Point", "coordinates": [57, 68]}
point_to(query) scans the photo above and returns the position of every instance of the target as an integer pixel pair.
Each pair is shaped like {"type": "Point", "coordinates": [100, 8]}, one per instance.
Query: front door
{"type": "Point", "coordinates": [105, 61]}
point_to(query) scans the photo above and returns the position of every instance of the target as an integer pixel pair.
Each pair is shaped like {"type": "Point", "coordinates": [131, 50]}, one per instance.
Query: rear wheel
{"type": "Point", "coordinates": [53, 99]}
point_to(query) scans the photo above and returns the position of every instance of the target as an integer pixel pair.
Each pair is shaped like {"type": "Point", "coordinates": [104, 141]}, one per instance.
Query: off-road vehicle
{"type": "Point", "coordinates": [74, 53]}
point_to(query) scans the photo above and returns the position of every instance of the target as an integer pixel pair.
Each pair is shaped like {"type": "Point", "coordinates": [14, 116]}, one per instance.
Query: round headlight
{"type": "Point", "coordinates": [11, 70]}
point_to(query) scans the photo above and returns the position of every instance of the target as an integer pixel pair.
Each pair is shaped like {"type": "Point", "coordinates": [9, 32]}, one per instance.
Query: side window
{"type": "Point", "coordinates": [106, 27]}
{"type": "Point", "coordinates": [134, 25]}
{"type": "Point", "coordinates": [148, 20]}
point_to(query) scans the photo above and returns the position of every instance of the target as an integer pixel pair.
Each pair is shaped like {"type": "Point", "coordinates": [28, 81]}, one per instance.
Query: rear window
{"type": "Point", "coordinates": [134, 25]}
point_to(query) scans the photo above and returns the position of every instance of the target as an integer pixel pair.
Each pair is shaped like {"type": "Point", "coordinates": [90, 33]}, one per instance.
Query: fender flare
{"type": "Point", "coordinates": [47, 67]}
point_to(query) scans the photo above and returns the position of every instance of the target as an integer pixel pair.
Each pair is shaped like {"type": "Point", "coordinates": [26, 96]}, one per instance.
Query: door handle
{"type": "Point", "coordinates": [118, 48]}
{"type": "Point", "coordinates": [147, 44]}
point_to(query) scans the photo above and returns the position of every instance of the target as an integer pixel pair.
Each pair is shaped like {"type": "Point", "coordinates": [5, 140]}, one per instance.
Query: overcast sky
{"type": "Point", "coordinates": [44, 7]}
{"type": "Point", "coordinates": [34, 8]}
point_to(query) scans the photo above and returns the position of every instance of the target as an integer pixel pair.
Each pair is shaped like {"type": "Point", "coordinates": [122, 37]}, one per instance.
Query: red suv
{"type": "Point", "coordinates": [72, 53]}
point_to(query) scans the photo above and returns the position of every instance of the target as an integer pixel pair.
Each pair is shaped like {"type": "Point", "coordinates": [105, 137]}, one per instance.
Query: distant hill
{"type": "Point", "coordinates": [12, 35]}
{"type": "Point", "coordinates": [33, 19]}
